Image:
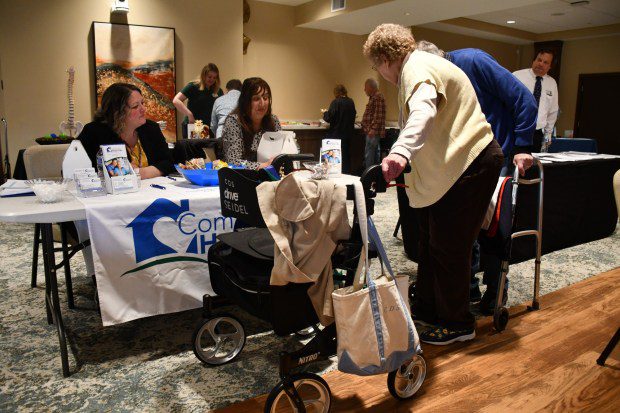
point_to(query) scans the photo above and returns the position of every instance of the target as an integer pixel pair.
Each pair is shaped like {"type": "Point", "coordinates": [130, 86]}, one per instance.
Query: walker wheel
{"type": "Point", "coordinates": [407, 380]}
{"type": "Point", "coordinates": [500, 318]}
{"type": "Point", "coordinates": [303, 390]}
{"type": "Point", "coordinates": [218, 340]}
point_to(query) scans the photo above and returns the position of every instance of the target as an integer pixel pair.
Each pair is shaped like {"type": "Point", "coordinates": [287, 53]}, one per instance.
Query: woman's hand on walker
{"type": "Point", "coordinates": [392, 166]}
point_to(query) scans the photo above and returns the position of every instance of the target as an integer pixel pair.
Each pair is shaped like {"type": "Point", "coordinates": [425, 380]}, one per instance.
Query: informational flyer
{"type": "Point", "coordinates": [331, 154]}
{"type": "Point", "coordinates": [118, 174]}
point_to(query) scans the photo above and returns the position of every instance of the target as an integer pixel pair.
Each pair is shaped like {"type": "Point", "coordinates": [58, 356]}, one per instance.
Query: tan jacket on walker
{"type": "Point", "coordinates": [306, 218]}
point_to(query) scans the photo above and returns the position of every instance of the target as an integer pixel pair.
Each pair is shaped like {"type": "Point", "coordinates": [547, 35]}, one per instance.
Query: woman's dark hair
{"type": "Point", "coordinates": [113, 109]}
{"type": "Point", "coordinates": [252, 86]}
{"type": "Point", "coordinates": [202, 80]}
{"type": "Point", "coordinates": [340, 90]}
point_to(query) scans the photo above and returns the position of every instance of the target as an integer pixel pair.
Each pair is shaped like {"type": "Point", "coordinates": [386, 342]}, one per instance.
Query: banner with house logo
{"type": "Point", "coordinates": [150, 252]}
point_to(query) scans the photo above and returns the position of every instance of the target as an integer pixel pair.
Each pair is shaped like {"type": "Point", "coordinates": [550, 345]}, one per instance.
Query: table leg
{"type": "Point", "coordinates": [51, 293]}
{"type": "Point", "coordinates": [67, 266]}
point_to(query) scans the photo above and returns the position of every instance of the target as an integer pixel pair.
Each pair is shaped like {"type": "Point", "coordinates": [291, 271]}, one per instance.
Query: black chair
{"type": "Point", "coordinates": [186, 149]}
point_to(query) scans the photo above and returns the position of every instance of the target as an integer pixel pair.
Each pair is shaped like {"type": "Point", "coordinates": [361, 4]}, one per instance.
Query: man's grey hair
{"type": "Point", "coordinates": [428, 47]}
{"type": "Point", "coordinates": [373, 83]}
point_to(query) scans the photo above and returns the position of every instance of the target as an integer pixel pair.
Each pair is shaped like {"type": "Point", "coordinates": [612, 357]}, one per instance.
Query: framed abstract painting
{"type": "Point", "coordinates": [143, 56]}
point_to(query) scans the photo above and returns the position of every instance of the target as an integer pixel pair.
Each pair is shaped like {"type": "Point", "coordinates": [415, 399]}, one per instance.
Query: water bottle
{"type": "Point", "coordinates": [546, 143]}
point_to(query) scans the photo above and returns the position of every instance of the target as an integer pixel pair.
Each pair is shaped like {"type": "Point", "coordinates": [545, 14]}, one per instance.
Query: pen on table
{"type": "Point", "coordinates": [158, 186]}
{"type": "Point", "coordinates": [169, 177]}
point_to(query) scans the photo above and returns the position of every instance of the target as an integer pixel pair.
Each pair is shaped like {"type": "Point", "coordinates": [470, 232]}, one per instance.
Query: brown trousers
{"type": "Point", "coordinates": [448, 229]}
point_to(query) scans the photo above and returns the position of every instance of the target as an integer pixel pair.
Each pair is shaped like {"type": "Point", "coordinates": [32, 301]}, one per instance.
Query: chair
{"type": "Point", "coordinates": [45, 161]}
{"type": "Point", "coordinates": [573, 144]}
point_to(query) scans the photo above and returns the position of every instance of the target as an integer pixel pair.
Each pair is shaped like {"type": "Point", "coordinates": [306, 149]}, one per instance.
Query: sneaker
{"type": "Point", "coordinates": [441, 336]}
{"type": "Point", "coordinates": [487, 303]}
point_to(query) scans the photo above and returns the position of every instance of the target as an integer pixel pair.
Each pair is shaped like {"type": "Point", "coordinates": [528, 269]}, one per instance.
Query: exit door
{"type": "Point", "coordinates": [598, 108]}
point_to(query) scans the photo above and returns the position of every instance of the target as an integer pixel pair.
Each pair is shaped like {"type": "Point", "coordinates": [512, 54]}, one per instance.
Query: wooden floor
{"type": "Point", "coordinates": [544, 361]}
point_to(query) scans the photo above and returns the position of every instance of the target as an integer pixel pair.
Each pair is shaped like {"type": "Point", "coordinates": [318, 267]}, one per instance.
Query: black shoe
{"type": "Point", "coordinates": [487, 303]}
{"type": "Point", "coordinates": [474, 294]}
{"type": "Point", "coordinates": [442, 336]}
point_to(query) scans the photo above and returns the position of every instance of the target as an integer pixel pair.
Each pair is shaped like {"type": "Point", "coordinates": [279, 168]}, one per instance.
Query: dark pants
{"type": "Point", "coordinates": [539, 136]}
{"type": "Point", "coordinates": [448, 229]}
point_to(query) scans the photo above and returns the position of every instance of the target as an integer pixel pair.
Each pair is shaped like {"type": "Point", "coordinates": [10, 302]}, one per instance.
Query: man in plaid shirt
{"type": "Point", "coordinates": [373, 122]}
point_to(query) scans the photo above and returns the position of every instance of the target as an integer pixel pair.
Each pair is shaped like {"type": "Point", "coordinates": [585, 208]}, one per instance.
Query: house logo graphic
{"type": "Point", "coordinates": [151, 250]}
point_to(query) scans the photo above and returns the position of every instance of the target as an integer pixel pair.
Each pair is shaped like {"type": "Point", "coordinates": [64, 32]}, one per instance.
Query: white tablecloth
{"type": "Point", "coordinates": [150, 248]}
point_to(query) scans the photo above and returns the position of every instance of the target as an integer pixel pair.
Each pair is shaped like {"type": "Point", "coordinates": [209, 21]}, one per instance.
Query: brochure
{"type": "Point", "coordinates": [331, 154]}
{"type": "Point", "coordinates": [119, 176]}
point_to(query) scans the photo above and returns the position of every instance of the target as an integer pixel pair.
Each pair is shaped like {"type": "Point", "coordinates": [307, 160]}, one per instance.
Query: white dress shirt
{"type": "Point", "coordinates": [548, 105]}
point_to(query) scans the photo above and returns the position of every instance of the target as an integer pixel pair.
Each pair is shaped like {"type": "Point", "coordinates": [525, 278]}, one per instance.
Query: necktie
{"type": "Point", "coordinates": [538, 89]}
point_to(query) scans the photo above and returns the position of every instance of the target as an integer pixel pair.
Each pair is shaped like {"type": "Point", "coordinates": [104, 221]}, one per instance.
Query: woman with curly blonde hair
{"type": "Point", "coordinates": [455, 164]}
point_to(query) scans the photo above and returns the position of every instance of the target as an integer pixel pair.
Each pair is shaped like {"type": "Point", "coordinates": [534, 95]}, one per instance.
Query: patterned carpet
{"type": "Point", "coordinates": [148, 364]}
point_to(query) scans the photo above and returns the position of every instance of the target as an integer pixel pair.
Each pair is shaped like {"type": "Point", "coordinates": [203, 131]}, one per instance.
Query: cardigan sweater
{"type": "Point", "coordinates": [458, 135]}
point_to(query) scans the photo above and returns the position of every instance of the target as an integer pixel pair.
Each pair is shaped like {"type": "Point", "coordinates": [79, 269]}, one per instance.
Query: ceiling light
{"type": "Point", "coordinates": [511, 21]}
{"type": "Point", "coordinates": [407, 14]}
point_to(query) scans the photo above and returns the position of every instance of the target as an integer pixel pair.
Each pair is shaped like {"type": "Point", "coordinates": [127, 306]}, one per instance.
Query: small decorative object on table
{"type": "Point", "coordinates": [53, 139]}
{"type": "Point", "coordinates": [48, 190]}
{"type": "Point", "coordinates": [201, 131]}
{"type": "Point", "coordinates": [71, 127]}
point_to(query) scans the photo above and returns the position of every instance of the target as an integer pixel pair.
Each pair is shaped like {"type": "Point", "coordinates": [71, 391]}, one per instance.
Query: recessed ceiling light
{"type": "Point", "coordinates": [407, 14]}
{"type": "Point", "coordinates": [511, 21]}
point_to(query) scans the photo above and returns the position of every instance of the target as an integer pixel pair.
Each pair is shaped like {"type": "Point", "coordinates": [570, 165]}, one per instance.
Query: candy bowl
{"type": "Point", "coordinates": [48, 190]}
{"type": "Point", "coordinates": [319, 170]}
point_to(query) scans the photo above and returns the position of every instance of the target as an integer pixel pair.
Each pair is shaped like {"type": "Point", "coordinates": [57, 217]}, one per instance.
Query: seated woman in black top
{"type": "Point", "coordinates": [121, 119]}
{"type": "Point", "coordinates": [245, 125]}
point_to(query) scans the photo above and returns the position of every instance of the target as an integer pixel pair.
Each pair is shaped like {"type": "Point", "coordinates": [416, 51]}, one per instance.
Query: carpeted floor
{"type": "Point", "coordinates": [148, 364]}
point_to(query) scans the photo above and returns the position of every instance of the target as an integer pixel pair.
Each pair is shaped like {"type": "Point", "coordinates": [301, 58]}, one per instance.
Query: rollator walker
{"type": "Point", "coordinates": [240, 266]}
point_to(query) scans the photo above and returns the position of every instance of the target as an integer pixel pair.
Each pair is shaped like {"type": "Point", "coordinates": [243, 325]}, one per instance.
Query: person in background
{"type": "Point", "coordinates": [545, 91]}
{"type": "Point", "coordinates": [511, 111]}
{"type": "Point", "coordinates": [224, 105]}
{"type": "Point", "coordinates": [121, 120]}
{"type": "Point", "coordinates": [341, 119]}
{"type": "Point", "coordinates": [373, 122]}
{"type": "Point", "coordinates": [245, 125]}
{"type": "Point", "coordinates": [200, 95]}
{"type": "Point", "coordinates": [455, 164]}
